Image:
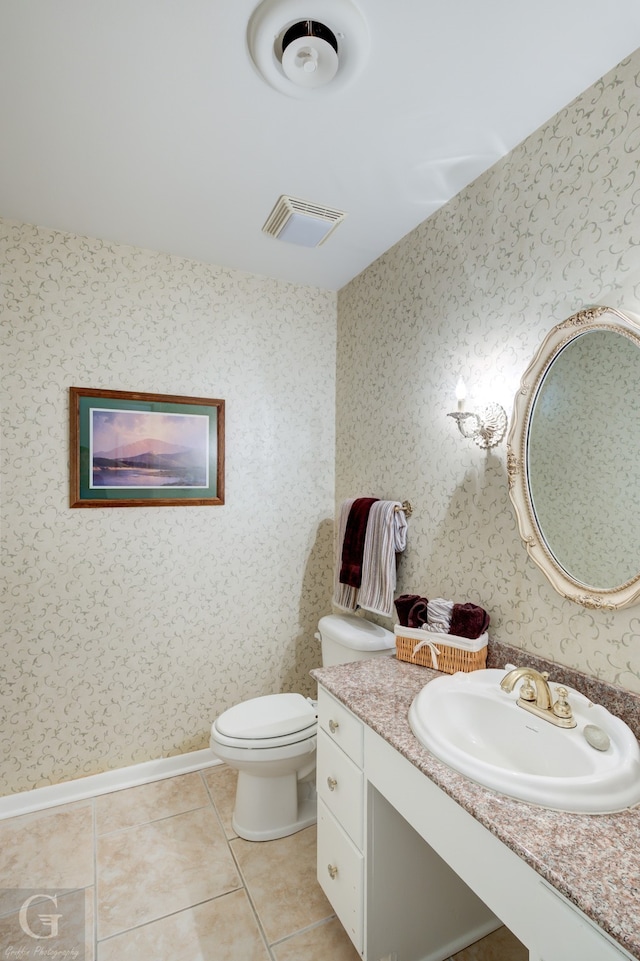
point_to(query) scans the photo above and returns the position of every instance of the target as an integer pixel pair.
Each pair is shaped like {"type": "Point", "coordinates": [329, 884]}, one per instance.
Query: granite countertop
{"type": "Point", "coordinates": [593, 860]}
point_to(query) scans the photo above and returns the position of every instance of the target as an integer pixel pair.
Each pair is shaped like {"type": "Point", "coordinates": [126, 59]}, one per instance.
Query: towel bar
{"type": "Point", "coordinates": [406, 507]}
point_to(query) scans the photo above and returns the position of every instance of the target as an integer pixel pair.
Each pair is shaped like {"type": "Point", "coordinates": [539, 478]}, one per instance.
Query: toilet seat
{"type": "Point", "coordinates": [260, 723]}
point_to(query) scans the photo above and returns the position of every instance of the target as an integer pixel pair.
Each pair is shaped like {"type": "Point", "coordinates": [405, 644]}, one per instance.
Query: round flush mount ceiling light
{"type": "Point", "coordinates": [309, 54]}
{"type": "Point", "coordinates": [300, 54]}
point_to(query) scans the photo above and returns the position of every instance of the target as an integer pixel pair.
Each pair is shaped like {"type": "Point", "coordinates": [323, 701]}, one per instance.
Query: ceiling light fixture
{"type": "Point", "coordinates": [310, 54]}
{"type": "Point", "coordinates": [301, 55]}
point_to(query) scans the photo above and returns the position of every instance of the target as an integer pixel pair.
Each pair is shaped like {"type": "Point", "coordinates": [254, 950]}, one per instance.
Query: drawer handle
{"type": "Point", "coordinates": [333, 871]}
{"type": "Point", "coordinates": [333, 726]}
{"type": "Point", "coordinates": [331, 781]}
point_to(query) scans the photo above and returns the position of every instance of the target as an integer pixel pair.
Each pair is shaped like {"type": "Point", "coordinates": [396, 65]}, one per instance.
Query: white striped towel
{"type": "Point", "coordinates": [439, 615]}
{"type": "Point", "coordinates": [344, 597]}
{"type": "Point", "coordinates": [386, 536]}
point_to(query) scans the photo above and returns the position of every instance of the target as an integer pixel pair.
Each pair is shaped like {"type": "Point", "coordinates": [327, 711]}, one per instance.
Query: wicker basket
{"type": "Point", "coordinates": [441, 652]}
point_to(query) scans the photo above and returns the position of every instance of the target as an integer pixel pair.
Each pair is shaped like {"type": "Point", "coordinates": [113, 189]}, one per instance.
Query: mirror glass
{"type": "Point", "coordinates": [574, 458]}
{"type": "Point", "coordinates": [583, 458]}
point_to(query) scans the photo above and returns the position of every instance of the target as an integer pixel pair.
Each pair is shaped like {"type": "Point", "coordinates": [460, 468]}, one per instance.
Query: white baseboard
{"type": "Point", "coordinates": [95, 784]}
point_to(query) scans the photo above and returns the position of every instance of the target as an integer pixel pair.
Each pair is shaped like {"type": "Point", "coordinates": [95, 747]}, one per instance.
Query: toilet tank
{"type": "Point", "coordinates": [345, 638]}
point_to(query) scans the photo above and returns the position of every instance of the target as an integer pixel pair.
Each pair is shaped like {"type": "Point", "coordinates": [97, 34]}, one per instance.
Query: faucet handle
{"type": "Point", "coordinates": [527, 690]}
{"type": "Point", "coordinates": [562, 708]}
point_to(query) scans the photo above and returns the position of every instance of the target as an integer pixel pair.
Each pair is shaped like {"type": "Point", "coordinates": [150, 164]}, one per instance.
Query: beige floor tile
{"type": "Point", "coordinates": [502, 945]}
{"type": "Point", "coordinates": [221, 782]}
{"type": "Point", "coordinates": [152, 870]}
{"type": "Point", "coordinates": [50, 849]}
{"type": "Point", "coordinates": [281, 878]}
{"type": "Point", "coordinates": [224, 929]}
{"type": "Point", "coordinates": [149, 802]}
{"type": "Point", "coordinates": [326, 941]}
{"type": "Point", "coordinates": [72, 936]}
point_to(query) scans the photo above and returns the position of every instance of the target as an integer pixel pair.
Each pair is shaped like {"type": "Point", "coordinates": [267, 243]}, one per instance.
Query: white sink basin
{"type": "Point", "coordinates": [472, 725]}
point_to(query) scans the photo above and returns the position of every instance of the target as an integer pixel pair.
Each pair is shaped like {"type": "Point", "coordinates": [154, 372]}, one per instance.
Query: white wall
{"type": "Point", "coordinates": [473, 291]}
{"type": "Point", "coordinates": [125, 631]}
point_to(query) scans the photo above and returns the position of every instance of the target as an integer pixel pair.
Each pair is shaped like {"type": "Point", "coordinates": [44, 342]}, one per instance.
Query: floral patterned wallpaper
{"type": "Point", "coordinates": [473, 291]}
{"type": "Point", "coordinates": [126, 631]}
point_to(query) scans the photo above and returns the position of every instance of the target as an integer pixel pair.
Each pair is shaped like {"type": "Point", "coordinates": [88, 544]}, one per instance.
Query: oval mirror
{"type": "Point", "coordinates": [573, 458]}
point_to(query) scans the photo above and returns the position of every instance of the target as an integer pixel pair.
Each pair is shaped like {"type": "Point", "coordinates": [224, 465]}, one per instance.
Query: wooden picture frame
{"type": "Point", "coordinates": [130, 449]}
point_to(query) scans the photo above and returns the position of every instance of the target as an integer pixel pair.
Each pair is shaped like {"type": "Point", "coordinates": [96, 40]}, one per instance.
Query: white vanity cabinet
{"type": "Point", "coordinates": [340, 785]}
{"type": "Point", "coordinates": [413, 876]}
{"type": "Point", "coordinates": [395, 897]}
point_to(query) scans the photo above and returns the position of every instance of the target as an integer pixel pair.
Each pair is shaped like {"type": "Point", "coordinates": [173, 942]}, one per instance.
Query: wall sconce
{"type": "Point", "coordinates": [487, 428]}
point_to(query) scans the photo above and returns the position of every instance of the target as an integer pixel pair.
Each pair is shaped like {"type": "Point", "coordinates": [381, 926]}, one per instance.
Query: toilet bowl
{"type": "Point", "coordinates": [271, 740]}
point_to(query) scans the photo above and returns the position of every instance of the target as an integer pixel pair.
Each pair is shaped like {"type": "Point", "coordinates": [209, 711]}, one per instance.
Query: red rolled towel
{"type": "Point", "coordinates": [353, 541]}
{"type": "Point", "coordinates": [404, 603]}
{"type": "Point", "coordinates": [468, 620]}
{"type": "Point", "coordinates": [418, 613]}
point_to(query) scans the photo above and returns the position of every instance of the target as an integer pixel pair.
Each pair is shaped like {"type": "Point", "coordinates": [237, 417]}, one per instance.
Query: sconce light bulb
{"type": "Point", "coordinates": [461, 393]}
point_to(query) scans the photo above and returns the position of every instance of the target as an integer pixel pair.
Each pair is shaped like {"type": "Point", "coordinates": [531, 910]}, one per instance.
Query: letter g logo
{"type": "Point", "coordinates": [48, 921]}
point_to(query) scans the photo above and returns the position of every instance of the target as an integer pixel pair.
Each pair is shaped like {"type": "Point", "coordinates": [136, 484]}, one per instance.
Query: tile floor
{"type": "Point", "coordinates": [164, 877]}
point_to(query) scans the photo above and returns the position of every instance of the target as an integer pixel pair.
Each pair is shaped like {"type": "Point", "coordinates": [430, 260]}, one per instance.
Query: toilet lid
{"type": "Point", "coordinates": [274, 715]}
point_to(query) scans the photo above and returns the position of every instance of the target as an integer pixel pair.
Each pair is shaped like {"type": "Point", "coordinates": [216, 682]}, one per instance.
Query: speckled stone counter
{"type": "Point", "coordinates": [593, 860]}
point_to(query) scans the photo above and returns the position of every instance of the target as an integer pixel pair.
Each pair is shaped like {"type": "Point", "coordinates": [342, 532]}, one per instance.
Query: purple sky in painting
{"type": "Point", "coordinates": [113, 429]}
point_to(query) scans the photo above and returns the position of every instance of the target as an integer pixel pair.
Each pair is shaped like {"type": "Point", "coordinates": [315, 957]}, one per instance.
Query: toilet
{"type": "Point", "coordinates": [271, 740]}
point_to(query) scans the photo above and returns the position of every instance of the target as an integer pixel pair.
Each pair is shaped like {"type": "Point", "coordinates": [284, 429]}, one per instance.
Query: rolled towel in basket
{"type": "Point", "coordinates": [404, 603]}
{"type": "Point", "coordinates": [418, 613]}
{"type": "Point", "coordinates": [439, 615]}
{"type": "Point", "coordinates": [468, 620]}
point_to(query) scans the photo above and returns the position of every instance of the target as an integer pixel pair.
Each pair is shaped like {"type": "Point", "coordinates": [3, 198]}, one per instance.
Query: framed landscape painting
{"type": "Point", "coordinates": [145, 450]}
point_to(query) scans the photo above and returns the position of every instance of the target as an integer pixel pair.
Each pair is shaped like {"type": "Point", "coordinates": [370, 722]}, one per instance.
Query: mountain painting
{"type": "Point", "coordinates": [147, 449]}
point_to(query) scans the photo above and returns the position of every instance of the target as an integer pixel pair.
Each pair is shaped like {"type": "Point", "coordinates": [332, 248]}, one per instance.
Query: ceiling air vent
{"type": "Point", "coordinates": [300, 222]}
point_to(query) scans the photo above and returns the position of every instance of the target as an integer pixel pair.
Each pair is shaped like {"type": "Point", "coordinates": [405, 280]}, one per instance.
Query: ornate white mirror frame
{"type": "Point", "coordinates": [563, 576]}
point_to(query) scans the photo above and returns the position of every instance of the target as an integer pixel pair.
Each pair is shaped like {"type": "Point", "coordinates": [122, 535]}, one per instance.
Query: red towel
{"type": "Point", "coordinates": [418, 613]}
{"type": "Point", "coordinates": [353, 542]}
{"type": "Point", "coordinates": [468, 620]}
{"type": "Point", "coordinates": [404, 603]}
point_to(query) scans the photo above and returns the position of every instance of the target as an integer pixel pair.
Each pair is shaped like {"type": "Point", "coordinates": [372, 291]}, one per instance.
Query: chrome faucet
{"type": "Point", "coordinates": [535, 696]}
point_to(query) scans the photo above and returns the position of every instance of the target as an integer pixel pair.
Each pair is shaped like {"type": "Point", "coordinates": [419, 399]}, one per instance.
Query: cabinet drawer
{"type": "Point", "coordinates": [341, 725]}
{"type": "Point", "coordinates": [340, 785]}
{"type": "Point", "coordinates": [340, 874]}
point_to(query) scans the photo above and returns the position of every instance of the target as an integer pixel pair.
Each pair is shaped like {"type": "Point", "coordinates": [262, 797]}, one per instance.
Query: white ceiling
{"type": "Point", "coordinates": [145, 121]}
